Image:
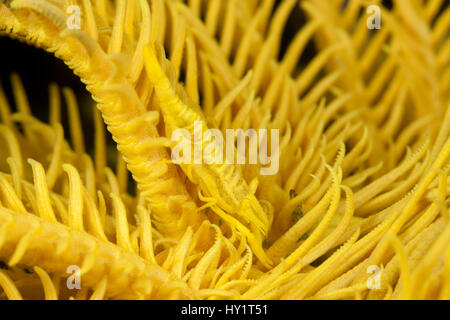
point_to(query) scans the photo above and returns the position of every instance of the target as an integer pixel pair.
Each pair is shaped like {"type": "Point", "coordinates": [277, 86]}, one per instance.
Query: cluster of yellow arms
{"type": "Point", "coordinates": [359, 208]}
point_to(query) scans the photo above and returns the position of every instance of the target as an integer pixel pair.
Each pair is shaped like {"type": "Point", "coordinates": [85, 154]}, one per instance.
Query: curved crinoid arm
{"type": "Point", "coordinates": [234, 200]}
{"type": "Point", "coordinates": [132, 126]}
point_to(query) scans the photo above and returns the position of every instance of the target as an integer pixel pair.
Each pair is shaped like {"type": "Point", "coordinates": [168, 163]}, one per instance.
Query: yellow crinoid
{"type": "Point", "coordinates": [357, 208]}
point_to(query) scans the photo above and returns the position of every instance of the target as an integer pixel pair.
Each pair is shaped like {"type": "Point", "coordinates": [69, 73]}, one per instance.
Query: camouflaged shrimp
{"type": "Point", "coordinates": [233, 199]}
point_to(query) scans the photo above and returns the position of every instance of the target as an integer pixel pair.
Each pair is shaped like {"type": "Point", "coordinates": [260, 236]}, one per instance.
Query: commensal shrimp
{"type": "Point", "coordinates": [234, 201]}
